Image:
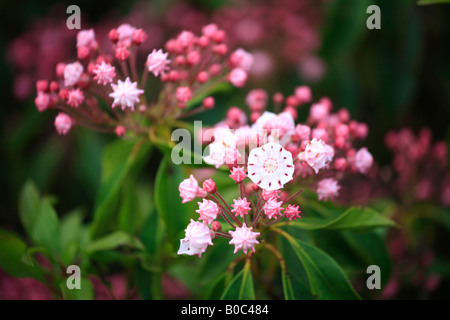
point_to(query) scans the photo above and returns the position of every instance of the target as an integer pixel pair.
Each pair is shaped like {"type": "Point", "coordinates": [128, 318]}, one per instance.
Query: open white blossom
{"type": "Point", "coordinates": [125, 94]}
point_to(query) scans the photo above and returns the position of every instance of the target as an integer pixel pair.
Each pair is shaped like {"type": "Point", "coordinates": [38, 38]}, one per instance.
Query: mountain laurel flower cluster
{"type": "Point", "coordinates": [109, 93]}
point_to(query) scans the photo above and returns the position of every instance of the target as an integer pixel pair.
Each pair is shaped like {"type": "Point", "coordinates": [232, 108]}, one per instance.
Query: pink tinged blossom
{"type": "Point", "coordinates": [208, 211]}
{"type": "Point", "coordinates": [303, 94]}
{"type": "Point", "coordinates": [241, 207]}
{"type": "Point", "coordinates": [238, 174]}
{"type": "Point", "coordinates": [363, 160]}
{"type": "Point", "coordinates": [272, 208]}
{"type": "Point", "coordinates": [303, 132]}
{"type": "Point", "coordinates": [318, 111]}
{"type": "Point", "coordinates": [270, 166]}
{"type": "Point", "coordinates": [42, 101]}
{"type": "Point", "coordinates": [244, 239]}
{"type": "Point", "coordinates": [316, 154]}
{"type": "Point", "coordinates": [208, 103]}
{"type": "Point", "coordinates": [125, 94]}
{"type": "Point", "coordinates": [75, 98]}
{"type": "Point", "coordinates": [120, 131]}
{"type": "Point", "coordinates": [328, 189]}
{"type": "Point", "coordinates": [268, 195]}
{"type": "Point", "coordinates": [125, 35]}
{"type": "Point", "coordinates": [241, 59]}
{"type": "Point", "coordinates": [157, 62]}
{"type": "Point", "coordinates": [63, 123]}
{"type": "Point", "coordinates": [86, 38]}
{"type": "Point", "coordinates": [209, 186]}
{"type": "Point", "coordinates": [223, 148]}
{"type": "Point", "coordinates": [184, 94]}
{"type": "Point", "coordinates": [236, 117]}
{"type": "Point", "coordinates": [189, 189]}
{"type": "Point", "coordinates": [197, 239]}
{"type": "Point", "coordinates": [292, 212]}
{"type": "Point", "coordinates": [237, 77]}
{"type": "Point", "coordinates": [104, 73]}
{"type": "Point", "coordinates": [210, 30]}
{"type": "Point", "coordinates": [138, 36]}
{"type": "Point", "coordinates": [256, 99]}
{"type": "Point", "coordinates": [72, 73]}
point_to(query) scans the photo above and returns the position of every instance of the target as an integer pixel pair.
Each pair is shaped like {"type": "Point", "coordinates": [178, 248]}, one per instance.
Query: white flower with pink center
{"type": "Point", "coordinates": [363, 160]}
{"type": "Point", "coordinates": [197, 239]}
{"type": "Point", "coordinates": [104, 73]}
{"type": "Point", "coordinates": [72, 73]}
{"type": "Point", "coordinates": [208, 211]}
{"type": "Point", "coordinates": [317, 154]}
{"type": "Point", "coordinates": [272, 208]}
{"type": "Point", "coordinates": [157, 62]}
{"type": "Point", "coordinates": [223, 149]}
{"type": "Point", "coordinates": [244, 239]}
{"type": "Point", "coordinates": [63, 123]}
{"type": "Point", "coordinates": [328, 189]}
{"type": "Point", "coordinates": [189, 189]}
{"type": "Point", "coordinates": [125, 94]}
{"type": "Point", "coordinates": [241, 207]}
{"type": "Point", "coordinates": [270, 166]}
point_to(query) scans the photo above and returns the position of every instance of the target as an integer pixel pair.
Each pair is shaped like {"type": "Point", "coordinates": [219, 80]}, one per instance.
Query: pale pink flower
{"type": "Point", "coordinates": [125, 94]}
{"type": "Point", "coordinates": [63, 123]}
{"type": "Point", "coordinates": [268, 195]}
{"type": "Point", "coordinates": [157, 62]}
{"type": "Point", "coordinates": [86, 38]}
{"type": "Point", "coordinates": [184, 94]}
{"type": "Point", "coordinates": [223, 148]}
{"type": "Point", "coordinates": [238, 77]}
{"type": "Point", "coordinates": [42, 101]}
{"type": "Point", "coordinates": [76, 97]}
{"type": "Point", "coordinates": [328, 189]}
{"type": "Point", "coordinates": [272, 208]}
{"type": "Point", "coordinates": [241, 207]}
{"type": "Point", "coordinates": [241, 59]}
{"type": "Point", "coordinates": [197, 239]}
{"type": "Point", "coordinates": [303, 94]}
{"type": "Point", "coordinates": [292, 212]}
{"type": "Point", "coordinates": [318, 111]}
{"type": "Point", "coordinates": [363, 160]}
{"type": "Point", "coordinates": [244, 238]}
{"type": "Point", "coordinates": [104, 73]}
{"type": "Point", "coordinates": [270, 166]}
{"type": "Point", "coordinates": [256, 99]}
{"type": "Point", "coordinates": [316, 154]}
{"type": "Point", "coordinates": [189, 189]}
{"type": "Point", "coordinates": [208, 211]}
{"type": "Point", "coordinates": [209, 186]}
{"type": "Point", "coordinates": [72, 73]}
{"type": "Point", "coordinates": [303, 132]}
{"type": "Point", "coordinates": [125, 35]}
{"type": "Point", "coordinates": [238, 174]}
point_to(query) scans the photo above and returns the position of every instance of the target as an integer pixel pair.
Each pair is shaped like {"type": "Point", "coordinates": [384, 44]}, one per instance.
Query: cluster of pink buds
{"type": "Point", "coordinates": [108, 92]}
{"type": "Point", "coordinates": [322, 147]}
{"type": "Point", "coordinates": [420, 164]}
{"type": "Point", "coordinates": [261, 204]}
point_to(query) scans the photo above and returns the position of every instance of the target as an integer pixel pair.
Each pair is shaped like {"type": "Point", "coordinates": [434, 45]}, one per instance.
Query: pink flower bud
{"type": "Point", "coordinates": [241, 207]}
{"type": "Point", "coordinates": [122, 53]}
{"type": "Point", "coordinates": [328, 189]}
{"type": "Point", "coordinates": [244, 239]}
{"type": "Point", "coordinates": [202, 77]}
{"type": "Point", "coordinates": [184, 94]}
{"type": "Point", "coordinates": [303, 94]}
{"type": "Point", "coordinates": [41, 85]}
{"type": "Point", "coordinates": [238, 174]}
{"type": "Point", "coordinates": [189, 189]}
{"type": "Point", "coordinates": [42, 101]}
{"type": "Point", "coordinates": [120, 131]}
{"type": "Point", "coordinates": [292, 212]}
{"type": "Point", "coordinates": [272, 208]}
{"type": "Point", "coordinates": [216, 226]}
{"type": "Point", "coordinates": [209, 186]}
{"type": "Point", "coordinates": [340, 164]}
{"type": "Point", "coordinates": [63, 123]}
{"type": "Point", "coordinates": [208, 211]}
{"type": "Point", "coordinates": [113, 35]}
{"type": "Point", "coordinates": [138, 36]}
{"type": "Point", "coordinates": [208, 103]}
{"type": "Point", "coordinates": [237, 77]}
{"type": "Point", "coordinates": [83, 52]}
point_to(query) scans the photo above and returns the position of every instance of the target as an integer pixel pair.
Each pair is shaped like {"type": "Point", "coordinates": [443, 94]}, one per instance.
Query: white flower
{"type": "Point", "coordinates": [244, 238]}
{"type": "Point", "coordinates": [72, 73]}
{"type": "Point", "coordinates": [157, 62]}
{"type": "Point", "coordinates": [223, 150]}
{"type": "Point", "coordinates": [317, 154]}
{"type": "Point", "coordinates": [270, 166]}
{"type": "Point", "coordinates": [196, 240]}
{"type": "Point", "coordinates": [125, 94]}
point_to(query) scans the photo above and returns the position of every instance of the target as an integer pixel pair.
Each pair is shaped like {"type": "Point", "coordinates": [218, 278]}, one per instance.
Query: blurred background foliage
{"type": "Point", "coordinates": [390, 78]}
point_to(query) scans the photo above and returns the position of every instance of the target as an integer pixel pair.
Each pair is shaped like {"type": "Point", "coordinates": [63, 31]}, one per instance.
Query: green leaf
{"type": "Point", "coordinates": [288, 289]}
{"type": "Point", "coordinates": [29, 204]}
{"type": "Point", "coordinates": [326, 278]}
{"type": "Point", "coordinates": [71, 236]}
{"type": "Point", "coordinates": [46, 230]}
{"type": "Point", "coordinates": [241, 287]}
{"type": "Point", "coordinates": [14, 257]}
{"type": "Point", "coordinates": [174, 214]}
{"type": "Point", "coordinates": [119, 160]}
{"type": "Point", "coordinates": [353, 218]}
{"type": "Point", "coordinates": [113, 241]}
{"type": "Point", "coordinates": [427, 2]}
{"type": "Point", "coordinates": [86, 291]}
